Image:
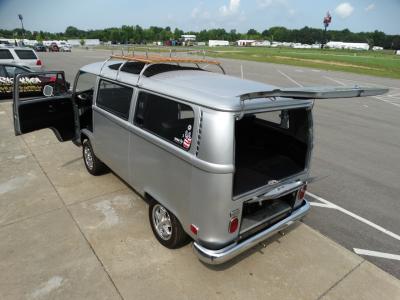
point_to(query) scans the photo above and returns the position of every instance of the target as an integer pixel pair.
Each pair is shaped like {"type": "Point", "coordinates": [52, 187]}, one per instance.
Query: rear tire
{"type": "Point", "coordinates": [166, 227]}
{"type": "Point", "coordinates": [93, 165]}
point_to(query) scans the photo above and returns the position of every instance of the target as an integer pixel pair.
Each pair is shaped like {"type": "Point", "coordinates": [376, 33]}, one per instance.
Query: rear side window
{"type": "Point", "coordinates": [170, 120]}
{"type": "Point", "coordinates": [26, 54]}
{"type": "Point", "coordinates": [5, 54]}
{"type": "Point", "coordinates": [114, 98]}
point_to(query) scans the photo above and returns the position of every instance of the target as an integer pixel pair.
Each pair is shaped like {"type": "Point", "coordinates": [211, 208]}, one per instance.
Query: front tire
{"type": "Point", "coordinates": [93, 165]}
{"type": "Point", "coordinates": [166, 227]}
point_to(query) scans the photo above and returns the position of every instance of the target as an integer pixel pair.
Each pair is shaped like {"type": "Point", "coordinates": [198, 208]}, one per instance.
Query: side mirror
{"type": "Point", "coordinates": [48, 91]}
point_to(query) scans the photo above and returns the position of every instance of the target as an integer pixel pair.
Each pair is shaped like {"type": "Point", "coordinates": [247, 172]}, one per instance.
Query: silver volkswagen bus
{"type": "Point", "coordinates": [222, 161]}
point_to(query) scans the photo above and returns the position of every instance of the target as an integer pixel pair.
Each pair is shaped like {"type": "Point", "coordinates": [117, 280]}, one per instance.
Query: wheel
{"type": "Point", "coordinates": [166, 227]}
{"type": "Point", "coordinates": [94, 165]}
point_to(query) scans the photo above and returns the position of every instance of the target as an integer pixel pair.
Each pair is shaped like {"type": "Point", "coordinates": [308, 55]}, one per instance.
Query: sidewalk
{"type": "Point", "coordinates": [65, 234]}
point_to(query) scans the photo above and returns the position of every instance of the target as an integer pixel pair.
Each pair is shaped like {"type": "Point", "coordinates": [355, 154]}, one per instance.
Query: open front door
{"type": "Point", "coordinates": [42, 100]}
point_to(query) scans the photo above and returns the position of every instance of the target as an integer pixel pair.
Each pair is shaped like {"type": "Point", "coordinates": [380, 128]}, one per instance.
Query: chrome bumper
{"type": "Point", "coordinates": [220, 256]}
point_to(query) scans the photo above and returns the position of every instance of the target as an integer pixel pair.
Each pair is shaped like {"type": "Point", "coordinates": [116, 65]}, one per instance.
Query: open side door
{"type": "Point", "coordinates": [42, 100]}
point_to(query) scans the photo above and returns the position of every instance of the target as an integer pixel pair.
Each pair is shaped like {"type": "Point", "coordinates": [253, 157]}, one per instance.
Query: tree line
{"type": "Point", "coordinates": [138, 35]}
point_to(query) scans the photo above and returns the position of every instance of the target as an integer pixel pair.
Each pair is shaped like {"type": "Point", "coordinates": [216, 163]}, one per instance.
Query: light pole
{"type": "Point", "coordinates": [327, 21]}
{"type": "Point", "coordinates": [22, 25]}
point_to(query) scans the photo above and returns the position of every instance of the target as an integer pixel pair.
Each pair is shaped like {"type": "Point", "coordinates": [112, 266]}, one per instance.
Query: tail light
{"type": "Point", "coordinates": [302, 192]}
{"type": "Point", "coordinates": [233, 225]}
{"type": "Point", "coordinates": [38, 62]}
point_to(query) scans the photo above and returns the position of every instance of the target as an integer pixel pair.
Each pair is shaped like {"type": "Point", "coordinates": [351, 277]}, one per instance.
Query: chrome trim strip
{"type": "Point", "coordinates": [220, 256]}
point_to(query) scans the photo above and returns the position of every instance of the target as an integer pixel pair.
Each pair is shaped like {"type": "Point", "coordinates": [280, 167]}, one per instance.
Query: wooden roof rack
{"type": "Point", "coordinates": [156, 59]}
{"type": "Point", "coordinates": [151, 60]}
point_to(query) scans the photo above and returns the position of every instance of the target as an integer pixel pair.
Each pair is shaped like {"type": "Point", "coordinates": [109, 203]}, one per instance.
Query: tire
{"type": "Point", "coordinates": [93, 165]}
{"type": "Point", "coordinates": [171, 235]}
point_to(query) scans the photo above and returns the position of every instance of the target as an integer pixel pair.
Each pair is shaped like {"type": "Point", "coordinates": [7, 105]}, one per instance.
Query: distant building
{"type": "Point", "coordinates": [350, 46]}
{"type": "Point", "coordinates": [188, 37]}
{"type": "Point", "coordinates": [88, 42]}
{"type": "Point", "coordinates": [215, 43]}
{"type": "Point", "coordinates": [261, 43]}
{"type": "Point", "coordinates": [245, 43]}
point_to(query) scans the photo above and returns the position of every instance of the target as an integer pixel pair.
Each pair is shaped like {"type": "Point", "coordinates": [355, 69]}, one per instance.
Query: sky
{"type": "Point", "coordinates": [55, 16]}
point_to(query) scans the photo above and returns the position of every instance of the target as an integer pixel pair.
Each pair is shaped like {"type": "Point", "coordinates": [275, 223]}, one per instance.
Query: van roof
{"type": "Point", "coordinates": [204, 88]}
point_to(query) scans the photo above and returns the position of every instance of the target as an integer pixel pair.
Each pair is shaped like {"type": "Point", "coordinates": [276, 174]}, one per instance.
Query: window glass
{"type": "Point", "coordinates": [5, 54]}
{"type": "Point", "coordinates": [114, 98]}
{"type": "Point", "coordinates": [166, 118]}
{"type": "Point", "coordinates": [11, 70]}
{"type": "Point", "coordinates": [26, 54]}
{"type": "Point", "coordinates": [86, 81]}
{"type": "Point", "coordinates": [2, 72]}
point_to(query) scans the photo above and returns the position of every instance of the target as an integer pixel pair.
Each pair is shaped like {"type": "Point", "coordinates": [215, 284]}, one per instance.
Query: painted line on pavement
{"type": "Point", "coordinates": [317, 204]}
{"type": "Point", "coordinates": [289, 78]}
{"type": "Point", "coordinates": [357, 217]}
{"type": "Point", "coordinates": [376, 254]}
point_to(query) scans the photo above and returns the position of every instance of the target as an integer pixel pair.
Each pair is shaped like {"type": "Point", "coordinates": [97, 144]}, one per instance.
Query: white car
{"type": "Point", "coordinates": [64, 47]}
{"type": "Point", "coordinates": [21, 56]}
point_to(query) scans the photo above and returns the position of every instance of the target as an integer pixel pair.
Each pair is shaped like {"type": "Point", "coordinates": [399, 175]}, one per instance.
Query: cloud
{"type": "Point", "coordinates": [268, 3]}
{"type": "Point", "coordinates": [370, 7]}
{"type": "Point", "coordinates": [200, 13]}
{"type": "Point", "coordinates": [276, 3]}
{"type": "Point", "coordinates": [230, 9]}
{"type": "Point", "coordinates": [344, 10]}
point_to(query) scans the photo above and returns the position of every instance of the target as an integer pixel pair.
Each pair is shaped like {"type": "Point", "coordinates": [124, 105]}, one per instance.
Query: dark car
{"type": "Point", "coordinates": [54, 48]}
{"type": "Point", "coordinates": [40, 48]}
{"type": "Point", "coordinates": [30, 85]}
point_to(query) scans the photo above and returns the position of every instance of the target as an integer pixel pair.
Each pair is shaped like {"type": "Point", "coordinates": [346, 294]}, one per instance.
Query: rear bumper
{"type": "Point", "coordinates": [220, 256]}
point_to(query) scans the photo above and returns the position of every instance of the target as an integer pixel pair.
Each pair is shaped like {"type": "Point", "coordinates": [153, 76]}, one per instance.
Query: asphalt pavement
{"type": "Point", "coordinates": [356, 156]}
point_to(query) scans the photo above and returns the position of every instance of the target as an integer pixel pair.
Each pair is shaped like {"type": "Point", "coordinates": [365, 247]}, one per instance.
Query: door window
{"type": "Point", "coordinates": [5, 54]}
{"type": "Point", "coordinates": [170, 120]}
{"type": "Point", "coordinates": [114, 98]}
{"type": "Point", "coordinates": [11, 70]}
{"type": "Point", "coordinates": [26, 54]}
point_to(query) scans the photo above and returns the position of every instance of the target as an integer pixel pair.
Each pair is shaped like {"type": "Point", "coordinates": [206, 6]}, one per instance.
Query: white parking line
{"type": "Point", "coordinates": [290, 78]}
{"type": "Point", "coordinates": [317, 204]}
{"type": "Point", "coordinates": [334, 80]}
{"type": "Point", "coordinates": [376, 254]}
{"type": "Point", "coordinates": [357, 217]}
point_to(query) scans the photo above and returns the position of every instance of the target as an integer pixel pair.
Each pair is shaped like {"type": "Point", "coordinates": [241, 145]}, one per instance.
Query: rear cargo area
{"type": "Point", "coordinates": [269, 146]}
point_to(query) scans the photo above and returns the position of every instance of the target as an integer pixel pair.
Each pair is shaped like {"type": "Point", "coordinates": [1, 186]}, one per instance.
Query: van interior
{"type": "Point", "coordinates": [269, 147]}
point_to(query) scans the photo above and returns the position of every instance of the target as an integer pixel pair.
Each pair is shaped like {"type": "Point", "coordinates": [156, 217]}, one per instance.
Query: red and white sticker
{"type": "Point", "coordinates": [187, 142]}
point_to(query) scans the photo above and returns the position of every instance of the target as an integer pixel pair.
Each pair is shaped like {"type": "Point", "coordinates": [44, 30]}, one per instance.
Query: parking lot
{"type": "Point", "coordinates": [67, 234]}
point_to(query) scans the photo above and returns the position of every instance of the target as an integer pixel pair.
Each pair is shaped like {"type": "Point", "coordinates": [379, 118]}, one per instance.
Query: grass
{"type": "Point", "coordinates": [375, 63]}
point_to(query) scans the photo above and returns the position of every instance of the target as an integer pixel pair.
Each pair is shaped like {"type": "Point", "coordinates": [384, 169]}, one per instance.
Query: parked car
{"type": "Point", "coordinates": [54, 48]}
{"type": "Point", "coordinates": [30, 85]}
{"type": "Point", "coordinates": [20, 56]}
{"type": "Point", "coordinates": [223, 161]}
{"type": "Point", "coordinates": [64, 47]}
{"type": "Point", "coordinates": [40, 48]}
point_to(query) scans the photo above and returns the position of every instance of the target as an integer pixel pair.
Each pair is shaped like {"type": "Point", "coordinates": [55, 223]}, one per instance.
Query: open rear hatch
{"type": "Point", "coordinates": [270, 146]}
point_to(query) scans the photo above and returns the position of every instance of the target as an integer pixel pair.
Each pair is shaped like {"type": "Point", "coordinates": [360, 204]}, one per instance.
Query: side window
{"type": "Point", "coordinates": [86, 82]}
{"type": "Point", "coordinates": [5, 54]}
{"type": "Point", "coordinates": [11, 70]}
{"type": "Point", "coordinates": [166, 118]}
{"type": "Point", "coordinates": [3, 72]}
{"type": "Point", "coordinates": [26, 54]}
{"type": "Point", "coordinates": [114, 98]}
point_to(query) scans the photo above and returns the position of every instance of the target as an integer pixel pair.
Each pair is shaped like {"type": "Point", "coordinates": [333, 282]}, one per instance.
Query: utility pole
{"type": "Point", "coordinates": [327, 21]}
{"type": "Point", "coordinates": [22, 25]}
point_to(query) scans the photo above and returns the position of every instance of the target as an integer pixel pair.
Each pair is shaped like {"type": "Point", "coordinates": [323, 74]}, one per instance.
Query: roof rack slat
{"type": "Point", "coordinates": [152, 59]}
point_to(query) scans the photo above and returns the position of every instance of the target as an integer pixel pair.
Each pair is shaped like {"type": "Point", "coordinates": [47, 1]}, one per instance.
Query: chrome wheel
{"type": "Point", "coordinates": [88, 157]}
{"type": "Point", "coordinates": [162, 222]}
